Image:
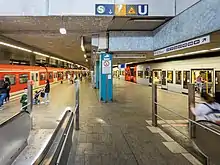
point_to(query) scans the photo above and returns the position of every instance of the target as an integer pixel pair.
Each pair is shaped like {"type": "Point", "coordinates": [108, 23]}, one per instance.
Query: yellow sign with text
{"type": "Point", "coordinates": [120, 10]}
{"type": "Point", "coordinates": [131, 10]}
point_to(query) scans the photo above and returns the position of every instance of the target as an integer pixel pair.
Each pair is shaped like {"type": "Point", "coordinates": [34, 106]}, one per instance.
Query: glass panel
{"type": "Point", "coordinates": [151, 76]}
{"type": "Point", "coordinates": [157, 77]}
{"type": "Point", "coordinates": [140, 74]}
{"type": "Point", "coordinates": [12, 78]}
{"type": "Point", "coordinates": [169, 76]}
{"type": "Point", "coordinates": [203, 80]}
{"type": "Point", "coordinates": [178, 77]}
{"type": "Point", "coordinates": [217, 81]}
{"type": "Point", "coordinates": [146, 74]}
{"type": "Point", "coordinates": [50, 75]}
{"type": "Point", "coordinates": [186, 79]}
{"type": "Point", "coordinates": [23, 78]}
{"type": "Point", "coordinates": [32, 76]}
{"type": "Point", "coordinates": [42, 76]}
{"type": "Point", "coordinates": [36, 76]}
{"type": "Point", "coordinates": [164, 81]}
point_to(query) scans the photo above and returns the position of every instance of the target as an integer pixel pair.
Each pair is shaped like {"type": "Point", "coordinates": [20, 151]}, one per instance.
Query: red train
{"type": "Point", "coordinates": [19, 75]}
{"type": "Point", "coordinates": [130, 73]}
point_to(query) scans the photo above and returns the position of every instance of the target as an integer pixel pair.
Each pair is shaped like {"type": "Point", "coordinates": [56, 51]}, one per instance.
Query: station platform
{"type": "Point", "coordinates": [117, 133]}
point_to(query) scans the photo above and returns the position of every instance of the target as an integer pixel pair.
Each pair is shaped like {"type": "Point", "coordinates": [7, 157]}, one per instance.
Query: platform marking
{"type": "Point", "coordinates": [173, 146]}
{"type": "Point", "coordinates": [191, 158]}
{"type": "Point", "coordinates": [166, 137]}
{"type": "Point", "coordinates": [154, 129]}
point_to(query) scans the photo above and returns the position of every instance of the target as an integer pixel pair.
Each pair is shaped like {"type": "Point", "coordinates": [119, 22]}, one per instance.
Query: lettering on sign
{"type": "Point", "coordinates": [184, 45]}
{"type": "Point", "coordinates": [131, 9]}
{"type": "Point", "coordinates": [142, 10]}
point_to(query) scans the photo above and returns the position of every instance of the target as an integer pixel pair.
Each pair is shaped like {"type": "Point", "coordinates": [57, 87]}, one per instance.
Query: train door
{"type": "Point", "coordinates": [164, 79]}
{"type": "Point", "coordinates": [217, 81]}
{"type": "Point", "coordinates": [203, 80]}
{"type": "Point", "coordinates": [186, 81]}
{"type": "Point", "coordinates": [35, 79]}
{"type": "Point", "coordinates": [157, 77]}
{"type": "Point", "coordinates": [55, 76]}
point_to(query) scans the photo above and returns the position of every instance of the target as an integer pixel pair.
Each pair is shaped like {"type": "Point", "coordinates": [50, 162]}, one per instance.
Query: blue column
{"type": "Point", "coordinates": [97, 75]}
{"type": "Point", "coordinates": [105, 85]}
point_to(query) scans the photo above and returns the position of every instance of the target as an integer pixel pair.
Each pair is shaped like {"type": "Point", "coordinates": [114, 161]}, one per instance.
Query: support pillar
{"type": "Point", "coordinates": [32, 60]}
{"type": "Point", "coordinates": [105, 74]}
{"type": "Point", "coordinates": [97, 67]}
{"type": "Point", "coordinates": [4, 57]}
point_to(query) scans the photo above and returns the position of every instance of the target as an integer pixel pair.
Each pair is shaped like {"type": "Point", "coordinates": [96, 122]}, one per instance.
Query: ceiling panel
{"type": "Point", "coordinates": [43, 33]}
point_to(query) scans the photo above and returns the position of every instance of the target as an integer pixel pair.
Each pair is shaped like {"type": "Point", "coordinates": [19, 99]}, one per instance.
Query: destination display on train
{"type": "Point", "coordinates": [184, 45]}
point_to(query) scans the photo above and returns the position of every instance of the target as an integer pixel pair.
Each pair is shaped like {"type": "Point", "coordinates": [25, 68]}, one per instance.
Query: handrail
{"type": "Point", "coordinates": [43, 156]}
{"type": "Point", "coordinates": [194, 122]}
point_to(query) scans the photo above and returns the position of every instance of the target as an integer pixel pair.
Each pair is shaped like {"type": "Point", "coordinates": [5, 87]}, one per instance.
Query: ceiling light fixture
{"type": "Point", "coordinates": [16, 47]}
{"type": "Point", "coordinates": [86, 60]}
{"type": "Point", "coordinates": [62, 31]}
{"type": "Point", "coordinates": [214, 49]}
{"type": "Point", "coordinates": [85, 55]}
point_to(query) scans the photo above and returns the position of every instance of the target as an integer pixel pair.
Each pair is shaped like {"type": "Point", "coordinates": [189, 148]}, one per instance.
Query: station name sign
{"type": "Point", "coordinates": [121, 9]}
{"type": "Point", "coordinates": [184, 45]}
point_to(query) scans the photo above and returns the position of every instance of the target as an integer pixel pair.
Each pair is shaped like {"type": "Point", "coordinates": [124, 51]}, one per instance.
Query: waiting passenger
{"type": "Point", "coordinates": [47, 91]}
{"type": "Point", "coordinates": [210, 110]}
{"type": "Point", "coordinates": [24, 100]}
{"type": "Point", "coordinates": [3, 93]}
{"type": "Point", "coordinates": [8, 88]}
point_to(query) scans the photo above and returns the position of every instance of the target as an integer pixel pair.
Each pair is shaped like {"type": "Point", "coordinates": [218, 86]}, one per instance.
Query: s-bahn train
{"type": "Point", "coordinates": [175, 75]}
{"type": "Point", "coordinates": [130, 73]}
{"type": "Point", "coordinates": [19, 75]}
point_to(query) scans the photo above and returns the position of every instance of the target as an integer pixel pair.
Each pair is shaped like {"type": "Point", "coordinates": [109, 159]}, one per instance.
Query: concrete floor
{"type": "Point", "coordinates": [117, 134]}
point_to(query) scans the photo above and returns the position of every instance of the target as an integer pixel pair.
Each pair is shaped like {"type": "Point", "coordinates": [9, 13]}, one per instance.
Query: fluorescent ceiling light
{"type": "Point", "coordinates": [16, 47]}
{"type": "Point", "coordinates": [62, 31]}
{"type": "Point", "coordinates": [196, 52]}
{"type": "Point", "coordinates": [214, 49]}
{"type": "Point", "coordinates": [86, 60]}
{"type": "Point", "coordinates": [41, 54]}
{"type": "Point", "coordinates": [85, 55]}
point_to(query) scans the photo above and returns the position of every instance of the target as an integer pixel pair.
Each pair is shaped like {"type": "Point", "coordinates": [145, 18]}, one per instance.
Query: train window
{"type": "Point", "coordinates": [50, 75]}
{"type": "Point", "coordinates": [42, 76]}
{"type": "Point", "coordinates": [55, 75]}
{"type": "Point", "coordinates": [23, 78]}
{"type": "Point", "coordinates": [170, 76]}
{"type": "Point", "coordinates": [178, 77]}
{"type": "Point", "coordinates": [32, 76]}
{"type": "Point", "coordinates": [12, 78]}
{"type": "Point", "coordinates": [140, 74]}
{"type": "Point", "coordinates": [146, 74]}
{"type": "Point", "coordinates": [36, 76]}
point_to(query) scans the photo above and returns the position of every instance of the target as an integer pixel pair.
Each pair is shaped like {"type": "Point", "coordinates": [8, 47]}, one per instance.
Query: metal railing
{"type": "Point", "coordinates": [191, 118]}
{"type": "Point", "coordinates": [77, 102]}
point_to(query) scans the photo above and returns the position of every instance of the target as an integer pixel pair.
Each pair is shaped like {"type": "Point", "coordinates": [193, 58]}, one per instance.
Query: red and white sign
{"type": "Point", "coordinates": [106, 67]}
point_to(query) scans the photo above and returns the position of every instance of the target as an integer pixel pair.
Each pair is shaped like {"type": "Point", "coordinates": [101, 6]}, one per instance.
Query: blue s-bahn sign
{"type": "Point", "coordinates": [104, 9]}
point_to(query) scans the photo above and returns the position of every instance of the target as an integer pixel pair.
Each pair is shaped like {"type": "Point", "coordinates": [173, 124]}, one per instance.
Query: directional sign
{"type": "Point", "coordinates": [184, 45]}
{"type": "Point", "coordinates": [104, 9]}
{"type": "Point", "coordinates": [120, 10]}
{"type": "Point", "coordinates": [142, 10]}
{"type": "Point", "coordinates": [106, 67]}
{"type": "Point", "coordinates": [131, 10]}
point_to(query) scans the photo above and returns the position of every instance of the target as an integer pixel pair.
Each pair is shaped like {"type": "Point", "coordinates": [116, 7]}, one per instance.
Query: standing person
{"type": "Point", "coordinates": [47, 91]}
{"type": "Point", "coordinates": [8, 88]}
{"type": "Point", "coordinates": [24, 100]}
{"type": "Point", "coordinates": [3, 93]}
